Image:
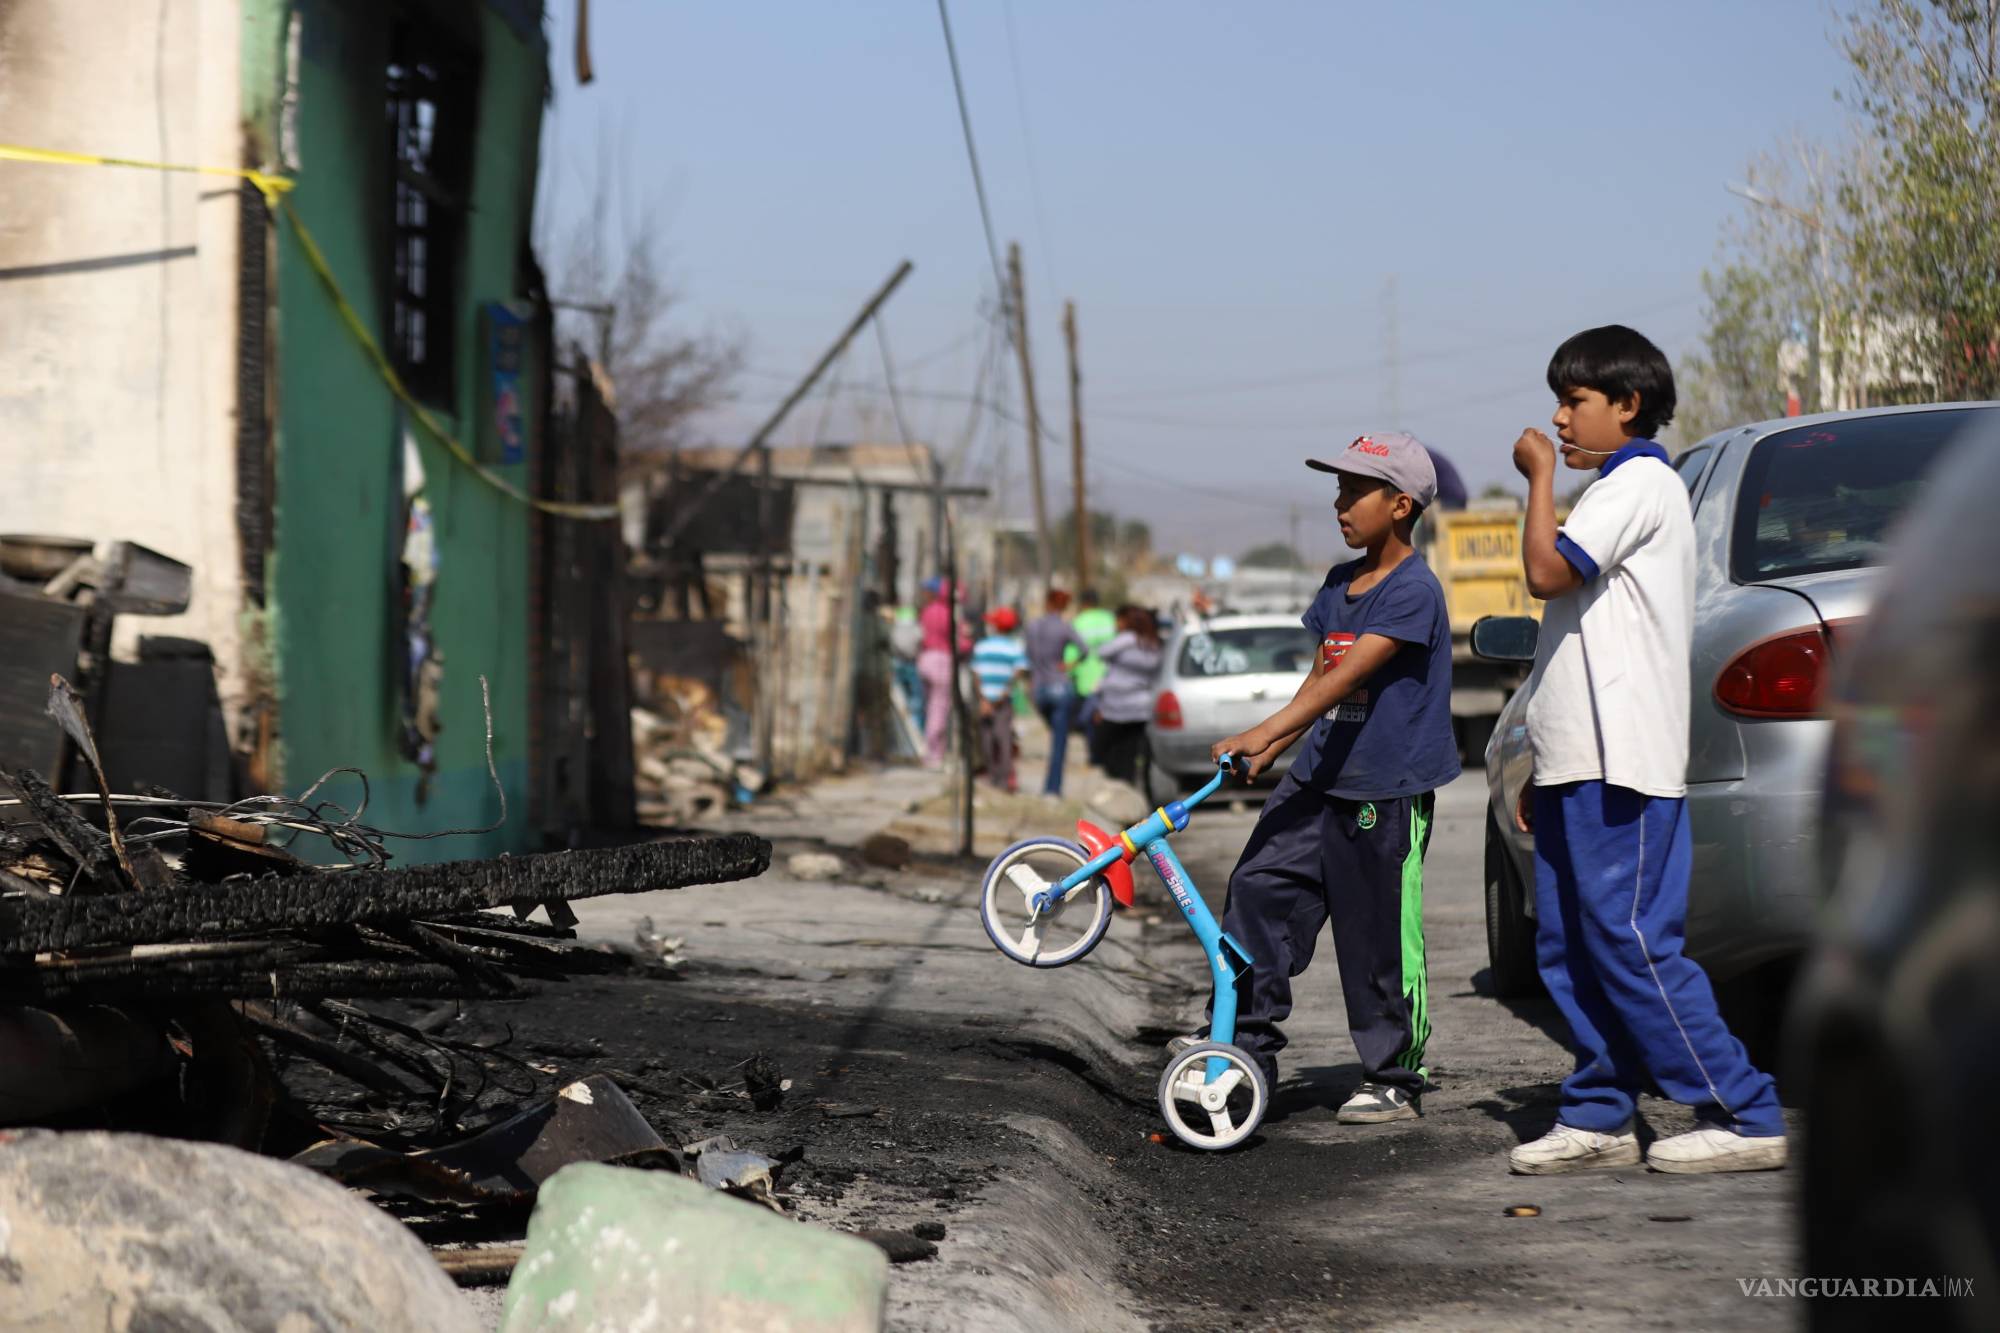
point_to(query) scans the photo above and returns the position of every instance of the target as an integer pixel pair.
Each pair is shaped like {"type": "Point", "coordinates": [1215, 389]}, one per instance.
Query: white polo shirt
{"type": "Point", "coordinates": [1609, 694]}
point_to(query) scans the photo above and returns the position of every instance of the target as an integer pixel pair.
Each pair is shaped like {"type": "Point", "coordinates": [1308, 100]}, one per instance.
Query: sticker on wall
{"type": "Point", "coordinates": [507, 339]}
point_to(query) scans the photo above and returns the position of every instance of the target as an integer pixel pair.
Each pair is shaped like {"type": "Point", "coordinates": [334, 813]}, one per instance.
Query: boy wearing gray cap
{"type": "Point", "coordinates": [1343, 835]}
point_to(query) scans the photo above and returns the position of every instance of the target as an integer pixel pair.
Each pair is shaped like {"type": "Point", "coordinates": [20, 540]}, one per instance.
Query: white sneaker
{"type": "Point", "coordinates": [1375, 1104]}
{"type": "Point", "coordinates": [1568, 1149]}
{"type": "Point", "coordinates": [1702, 1151]}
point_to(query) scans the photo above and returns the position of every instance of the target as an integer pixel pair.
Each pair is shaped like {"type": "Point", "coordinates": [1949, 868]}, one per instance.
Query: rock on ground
{"type": "Point", "coordinates": [1120, 802]}
{"type": "Point", "coordinates": [814, 866]}
{"type": "Point", "coordinates": [886, 850]}
{"type": "Point", "coordinates": [609, 1247]}
{"type": "Point", "coordinates": [129, 1232]}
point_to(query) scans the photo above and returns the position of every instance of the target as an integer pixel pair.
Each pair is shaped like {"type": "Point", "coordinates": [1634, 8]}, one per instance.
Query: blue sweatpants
{"type": "Point", "coordinates": [1611, 882]}
{"type": "Point", "coordinates": [1314, 858]}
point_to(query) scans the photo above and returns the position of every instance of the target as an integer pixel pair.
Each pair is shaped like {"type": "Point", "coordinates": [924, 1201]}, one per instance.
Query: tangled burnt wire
{"type": "Point", "coordinates": [359, 843]}
{"type": "Point", "coordinates": [250, 959]}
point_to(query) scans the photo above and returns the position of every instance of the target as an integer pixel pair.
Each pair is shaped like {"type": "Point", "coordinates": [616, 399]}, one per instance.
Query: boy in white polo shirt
{"type": "Point", "coordinates": [1608, 724]}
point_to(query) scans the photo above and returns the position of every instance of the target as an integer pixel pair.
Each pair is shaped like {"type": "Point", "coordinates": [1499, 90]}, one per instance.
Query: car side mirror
{"type": "Point", "coordinates": [1505, 638]}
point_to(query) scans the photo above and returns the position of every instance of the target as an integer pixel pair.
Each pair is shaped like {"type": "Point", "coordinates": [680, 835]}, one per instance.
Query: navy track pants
{"type": "Point", "coordinates": [1611, 884]}
{"type": "Point", "coordinates": [1314, 858]}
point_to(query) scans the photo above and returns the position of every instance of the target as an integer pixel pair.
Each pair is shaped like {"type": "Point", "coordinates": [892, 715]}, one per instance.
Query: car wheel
{"type": "Point", "coordinates": [1510, 932]}
{"type": "Point", "coordinates": [1161, 786]}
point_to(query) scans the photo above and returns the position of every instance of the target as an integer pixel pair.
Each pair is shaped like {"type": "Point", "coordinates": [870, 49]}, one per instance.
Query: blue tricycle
{"type": "Point", "coordinates": [1047, 902]}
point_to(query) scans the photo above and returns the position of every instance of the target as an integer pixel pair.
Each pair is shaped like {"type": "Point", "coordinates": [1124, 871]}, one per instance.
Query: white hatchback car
{"type": "Point", "coordinates": [1218, 676]}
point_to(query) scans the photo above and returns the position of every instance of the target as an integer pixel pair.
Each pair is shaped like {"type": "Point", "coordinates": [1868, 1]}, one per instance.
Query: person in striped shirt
{"type": "Point", "coordinates": [998, 660]}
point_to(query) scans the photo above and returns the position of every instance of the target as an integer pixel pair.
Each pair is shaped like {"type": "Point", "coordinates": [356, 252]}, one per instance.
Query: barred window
{"type": "Point", "coordinates": [431, 112]}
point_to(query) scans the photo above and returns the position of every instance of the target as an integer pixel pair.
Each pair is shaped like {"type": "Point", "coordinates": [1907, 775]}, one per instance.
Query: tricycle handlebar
{"type": "Point", "coordinates": [1155, 825]}
{"type": "Point", "coordinates": [1224, 767]}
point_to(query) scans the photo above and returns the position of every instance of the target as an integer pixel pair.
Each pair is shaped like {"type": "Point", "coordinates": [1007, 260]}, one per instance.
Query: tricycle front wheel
{"type": "Point", "coordinates": [1061, 933]}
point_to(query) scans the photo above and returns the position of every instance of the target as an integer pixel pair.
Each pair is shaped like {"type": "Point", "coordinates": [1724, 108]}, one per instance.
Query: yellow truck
{"type": "Point", "coordinates": [1476, 555]}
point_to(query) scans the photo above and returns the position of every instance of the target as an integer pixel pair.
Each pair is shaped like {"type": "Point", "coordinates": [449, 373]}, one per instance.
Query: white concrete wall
{"type": "Point", "coordinates": [118, 289]}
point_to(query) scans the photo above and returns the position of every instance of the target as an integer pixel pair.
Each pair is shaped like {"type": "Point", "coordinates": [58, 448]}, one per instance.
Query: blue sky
{"type": "Point", "coordinates": [1226, 191]}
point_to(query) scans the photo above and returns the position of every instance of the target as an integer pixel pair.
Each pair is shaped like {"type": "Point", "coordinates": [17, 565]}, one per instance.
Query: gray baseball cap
{"type": "Point", "coordinates": [1392, 456]}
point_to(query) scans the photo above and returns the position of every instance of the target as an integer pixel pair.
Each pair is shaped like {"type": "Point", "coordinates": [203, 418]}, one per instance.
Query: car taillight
{"type": "Point", "coordinates": [1167, 711]}
{"type": "Point", "coordinates": [1781, 677]}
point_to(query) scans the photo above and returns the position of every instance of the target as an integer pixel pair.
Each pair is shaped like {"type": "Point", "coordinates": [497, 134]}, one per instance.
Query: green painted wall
{"type": "Point", "coordinates": [333, 591]}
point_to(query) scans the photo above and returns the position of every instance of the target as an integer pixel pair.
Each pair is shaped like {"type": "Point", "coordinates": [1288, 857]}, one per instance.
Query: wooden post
{"type": "Point", "coordinates": [771, 423]}
{"type": "Point", "coordinates": [961, 716]}
{"type": "Point", "coordinates": [1083, 579]}
{"type": "Point", "coordinates": [1020, 312]}
{"type": "Point", "coordinates": [939, 519]}
{"type": "Point", "coordinates": [765, 634]}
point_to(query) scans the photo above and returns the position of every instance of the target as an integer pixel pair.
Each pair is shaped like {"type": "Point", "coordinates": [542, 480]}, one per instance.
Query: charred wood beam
{"type": "Point", "coordinates": [373, 896]}
{"type": "Point", "coordinates": [83, 844]}
{"type": "Point", "coordinates": [357, 1068]}
{"type": "Point", "coordinates": [479, 965]}
{"type": "Point", "coordinates": [421, 1058]}
{"type": "Point", "coordinates": [296, 968]}
{"type": "Point", "coordinates": [188, 978]}
{"type": "Point", "coordinates": [534, 954]}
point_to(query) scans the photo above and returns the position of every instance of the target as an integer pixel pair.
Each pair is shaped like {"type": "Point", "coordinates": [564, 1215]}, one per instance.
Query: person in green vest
{"type": "Point", "coordinates": [1095, 625]}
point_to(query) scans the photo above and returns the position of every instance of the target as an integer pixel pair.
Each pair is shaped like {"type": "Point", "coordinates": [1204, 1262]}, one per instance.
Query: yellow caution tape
{"type": "Point", "coordinates": [273, 188]}
{"type": "Point", "coordinates": [350, 317]}
{"type": "Point", "coordinates": [270, 186]}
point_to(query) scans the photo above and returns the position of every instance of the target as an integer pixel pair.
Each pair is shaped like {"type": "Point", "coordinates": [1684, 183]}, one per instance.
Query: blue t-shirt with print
{"type": "Point", "coordinates": [1392, 737]}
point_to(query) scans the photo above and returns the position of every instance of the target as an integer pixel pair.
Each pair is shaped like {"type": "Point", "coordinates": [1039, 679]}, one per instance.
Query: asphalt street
{"type": "Point", "coordinates": [934, 1079]}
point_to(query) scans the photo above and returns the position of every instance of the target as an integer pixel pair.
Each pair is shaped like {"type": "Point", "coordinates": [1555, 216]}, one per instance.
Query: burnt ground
{"type": "Point", "coordinates": [932, 1080]}
{"type": "Point", "coordinates": [901, 1121]}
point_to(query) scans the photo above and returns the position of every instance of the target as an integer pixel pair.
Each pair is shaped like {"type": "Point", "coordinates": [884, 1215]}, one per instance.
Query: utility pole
{"type": "Point", "coordinates": [1020, 304]}
{"type": "Point", "coordinates": [763, 628]}
{"type": "Point", "coordinates": [1083, 579]}
{"type": "Point", "coordinates": [764, 432]}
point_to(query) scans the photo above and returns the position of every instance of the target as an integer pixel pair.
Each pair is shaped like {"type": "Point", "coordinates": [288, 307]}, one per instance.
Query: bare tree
{"type": "Point", "coordinates": [617, 299]}
{"type": "Point", "coordinates": [1787, 308]}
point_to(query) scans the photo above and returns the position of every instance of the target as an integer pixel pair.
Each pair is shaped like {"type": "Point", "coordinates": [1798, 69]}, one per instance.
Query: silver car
{"type": "Point", "coordinates": [1790, 521]}
{"type": "Point", "coordinates": [1900, 991]}
{"type": "Point", "coordinates": [1220, 675]}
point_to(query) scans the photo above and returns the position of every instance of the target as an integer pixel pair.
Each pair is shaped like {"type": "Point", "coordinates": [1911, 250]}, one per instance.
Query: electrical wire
{"type": "Point", "coordinates": [1028, 150]}
{"type": "Point", "coordinates": [917, 467]}
{"type": "Point", "coordinates": [1336, 374]}
{"type": "Point", "coordinates": [972, 152]}
{"type": "Point", "coordinates": [342, 828]}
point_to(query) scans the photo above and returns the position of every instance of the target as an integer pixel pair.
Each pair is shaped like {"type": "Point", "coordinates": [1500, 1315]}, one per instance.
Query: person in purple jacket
{"type": "Point", "coordinates": [1050, 683]}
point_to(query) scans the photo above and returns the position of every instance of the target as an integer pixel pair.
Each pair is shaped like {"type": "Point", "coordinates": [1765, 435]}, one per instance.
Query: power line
{"type": "Point", "coordinates": [972, 152]}
{"type": "Point", "coordinates": [827, 398]}
{"type": "Point", "coordinates": [1138, 418]}
{"type": "Point", "coordinates": [1028, 149]}
{"type": "Point", "coordinates": [1129, 471]}
{"type": "Point", "coordinates": [1147, 474]}
{"type": "Point", "coordinates": [896, 405]}
{"type": "Point", "coordinates": [1338, 373]}
{"type": "Point", "coordinates": [965, 339]}
{"type": "Point", "coordinates": [957, 343]}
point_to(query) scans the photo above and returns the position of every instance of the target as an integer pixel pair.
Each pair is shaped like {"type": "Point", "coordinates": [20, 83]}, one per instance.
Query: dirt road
{"type": "Point", "coordinates": [933, 1080]}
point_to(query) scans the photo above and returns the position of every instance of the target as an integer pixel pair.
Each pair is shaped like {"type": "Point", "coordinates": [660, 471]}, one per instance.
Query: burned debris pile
{"type": "Point", "coordinates": [148, 941]}
{"type": "Point", "coordinates": [82, 918]}
{"type": "Point", "coordinates": [189, 899]}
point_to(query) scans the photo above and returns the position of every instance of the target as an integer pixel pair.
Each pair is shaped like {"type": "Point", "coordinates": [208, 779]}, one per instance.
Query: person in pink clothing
{"type": "Point", "coordinates": [934, 669]}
